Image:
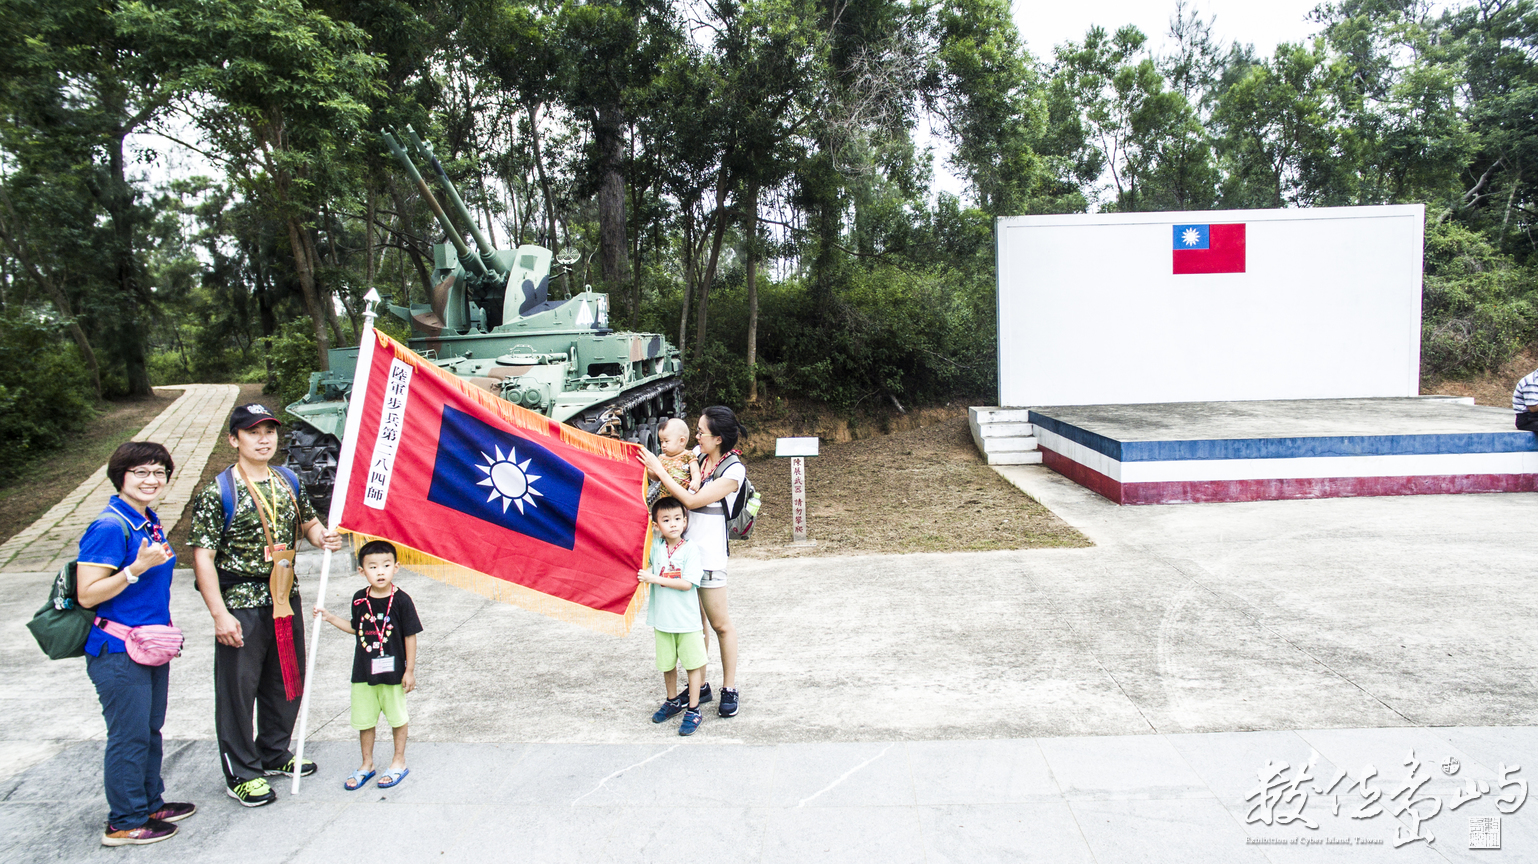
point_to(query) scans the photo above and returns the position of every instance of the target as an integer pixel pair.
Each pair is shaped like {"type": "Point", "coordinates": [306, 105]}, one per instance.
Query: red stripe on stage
{"type": "Point", "coordinates": [1216, 491]}
{"type": "Point", "coordinates": [1207, 491]}
{"type": "Point", "coordinates": [1087, 477]}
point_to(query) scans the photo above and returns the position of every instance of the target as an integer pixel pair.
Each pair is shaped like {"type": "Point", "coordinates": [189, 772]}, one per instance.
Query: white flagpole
{"type": "Point", "coordinates": [366, 342]}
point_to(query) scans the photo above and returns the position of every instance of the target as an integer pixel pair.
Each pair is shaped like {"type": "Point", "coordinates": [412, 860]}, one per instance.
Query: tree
{"type": "Point", "coordinates": [278, 89]}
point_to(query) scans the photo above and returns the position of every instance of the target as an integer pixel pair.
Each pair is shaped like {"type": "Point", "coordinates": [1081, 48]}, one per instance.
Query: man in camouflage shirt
{"type": "Point", "coordinates": [232, 569]}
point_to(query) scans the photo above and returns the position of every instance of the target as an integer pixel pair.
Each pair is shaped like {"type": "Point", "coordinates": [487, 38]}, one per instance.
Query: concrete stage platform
{"type": "Point", "coordinates": [1191, 452]}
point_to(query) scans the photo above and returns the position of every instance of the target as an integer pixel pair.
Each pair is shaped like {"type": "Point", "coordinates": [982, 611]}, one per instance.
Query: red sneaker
{"type": "Point", "coordinates": [152, 831]}
{"type": "Point", "coordinates": [174, 811]}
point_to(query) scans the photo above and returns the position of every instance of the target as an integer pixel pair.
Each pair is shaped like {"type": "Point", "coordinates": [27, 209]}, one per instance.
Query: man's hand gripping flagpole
{"type": "Point", "coordinates": [366, 343]}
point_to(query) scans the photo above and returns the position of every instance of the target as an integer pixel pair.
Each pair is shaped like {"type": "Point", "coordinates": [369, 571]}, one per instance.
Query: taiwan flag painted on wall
{"type": "Point", "coordinates": [1209, 249]}
{"type": "Point", "coordinates": [492, 497]}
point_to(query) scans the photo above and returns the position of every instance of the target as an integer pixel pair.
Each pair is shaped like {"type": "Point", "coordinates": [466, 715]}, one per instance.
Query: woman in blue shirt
{"type": "Point", "coordinates": [124, 573]}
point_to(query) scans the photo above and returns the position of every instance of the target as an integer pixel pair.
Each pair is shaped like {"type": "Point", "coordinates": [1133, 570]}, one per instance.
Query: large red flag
{"type": "Point", "coordinates": [493, 497]}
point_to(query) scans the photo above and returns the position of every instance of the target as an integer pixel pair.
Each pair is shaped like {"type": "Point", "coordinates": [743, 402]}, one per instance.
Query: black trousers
{"type": "Point", "coordinates": [250, 676]}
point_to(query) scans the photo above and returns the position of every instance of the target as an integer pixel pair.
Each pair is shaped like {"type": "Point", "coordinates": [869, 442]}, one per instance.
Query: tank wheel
{"type": "Point", "coordinates": [312, 455]}
{"type": "Point", "coordinates": [645, 434]}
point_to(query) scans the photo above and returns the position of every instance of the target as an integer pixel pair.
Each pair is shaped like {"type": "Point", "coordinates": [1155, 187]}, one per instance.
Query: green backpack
{"type": "Point", "coordinates": [62, 625]}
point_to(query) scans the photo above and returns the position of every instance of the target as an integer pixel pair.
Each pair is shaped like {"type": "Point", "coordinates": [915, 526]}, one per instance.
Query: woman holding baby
{"type": "Point", "coordinates": [720, 476]}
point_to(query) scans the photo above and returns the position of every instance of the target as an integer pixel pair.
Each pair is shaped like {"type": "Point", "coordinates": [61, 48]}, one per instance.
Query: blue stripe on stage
{"type": "Point", "coordinates": [1292, 448]}
{"type": "Point", "coordinates": [1099, 443]}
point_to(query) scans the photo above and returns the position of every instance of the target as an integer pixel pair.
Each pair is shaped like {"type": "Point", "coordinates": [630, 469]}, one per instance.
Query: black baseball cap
{"type": "Point", "coordinates": [246, 416]}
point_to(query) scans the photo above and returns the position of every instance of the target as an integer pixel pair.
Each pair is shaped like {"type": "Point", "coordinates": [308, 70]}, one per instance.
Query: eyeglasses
{"type": "Point", "coordinates": [147, 473]}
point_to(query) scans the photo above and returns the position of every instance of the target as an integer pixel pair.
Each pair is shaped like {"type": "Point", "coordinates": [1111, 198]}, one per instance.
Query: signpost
{"type": "Point", "coordinates": [797, 449]}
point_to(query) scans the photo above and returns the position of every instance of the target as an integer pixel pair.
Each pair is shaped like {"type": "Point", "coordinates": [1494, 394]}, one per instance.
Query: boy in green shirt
{"type": "Point", "coordinates": [673, 611]}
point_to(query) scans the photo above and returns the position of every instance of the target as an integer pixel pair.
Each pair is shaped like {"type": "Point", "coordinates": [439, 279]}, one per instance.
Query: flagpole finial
{"type": "Point", "coordinates": [370, 300]}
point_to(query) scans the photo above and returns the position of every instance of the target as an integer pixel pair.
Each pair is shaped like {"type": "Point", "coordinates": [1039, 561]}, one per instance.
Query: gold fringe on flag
{"type": "Point", "coordinates": [510, 593]}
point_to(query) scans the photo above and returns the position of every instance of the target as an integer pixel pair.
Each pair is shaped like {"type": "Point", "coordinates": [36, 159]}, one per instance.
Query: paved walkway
{"type": "Point", "coordinates": [1104, 704]}
{"type": "Point", "coordinates": [1177, 798]}
{"type": "Point", "coordinates": [189, 428]}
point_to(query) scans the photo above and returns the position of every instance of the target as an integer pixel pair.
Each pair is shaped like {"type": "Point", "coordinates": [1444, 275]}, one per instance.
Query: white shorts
{"type": "Point", "coordinates": [713, 579]}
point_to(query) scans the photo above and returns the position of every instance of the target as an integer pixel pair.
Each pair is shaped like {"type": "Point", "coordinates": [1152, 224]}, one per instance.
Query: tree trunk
{"type": "Point", "coordinates": [750, 232]}
{"type": "Point", "coordinates": [552, 239]}
{"type": "Point", "coordinates": [312, 303]}
{"type": "Point", "coordinates": [408, 231]}
{"type": "Point", "coordinates": [368, 241]}
{"type": "Point", "coordinates": [327, 300]}
{"type": "Point", "coordinates": [117, 198]}
{"type": "Point", "coordinates": [683, 314]}
{"type": "Point", "coordinates": [710, 267]}
{"type": "Point", "coordinates": [613, 257]}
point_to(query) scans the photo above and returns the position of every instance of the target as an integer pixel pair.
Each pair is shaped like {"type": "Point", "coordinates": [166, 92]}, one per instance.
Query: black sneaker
{"type": "Point", "coordinates": [692, 720]}
{"type": "Point", "coordinates": [288, 769]}
{"type": "Point", "coordinates": [670, 708]}
{"type": "Point", "coordinates": [705, 694]}
{"type": "Point", "coordinates": [252, 793]}
{"type": "Point", "coordinates": [728, 706]}
{"type": "Point", "coordinates": [152, 831]}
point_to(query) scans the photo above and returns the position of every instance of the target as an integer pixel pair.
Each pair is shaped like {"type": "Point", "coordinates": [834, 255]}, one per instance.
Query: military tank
{"type": "Point", "coordinates": [491, 320]}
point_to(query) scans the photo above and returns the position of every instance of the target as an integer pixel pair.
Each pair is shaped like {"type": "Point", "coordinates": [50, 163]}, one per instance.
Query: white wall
{"type": "Point", "coordinates": [1090, 312]}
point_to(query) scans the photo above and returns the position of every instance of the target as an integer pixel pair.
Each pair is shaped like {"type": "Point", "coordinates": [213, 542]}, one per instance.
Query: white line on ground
{"type": "Point", "coordinates": [623, 770]}
{"type": "Point", "coordinates": [845, 776]}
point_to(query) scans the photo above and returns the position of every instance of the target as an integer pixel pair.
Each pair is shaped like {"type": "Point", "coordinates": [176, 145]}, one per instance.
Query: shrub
{"type": "Point", "coordinates": [45, 390]}
{"type": "Point", "coordinates": [1478, 306]}
{"type": "Point", "coordinates": [293, 359]}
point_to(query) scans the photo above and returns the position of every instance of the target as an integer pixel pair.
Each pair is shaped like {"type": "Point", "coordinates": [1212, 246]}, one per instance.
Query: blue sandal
{"type": "Point", "coordinates": [356, 781]}
{"type": "Point", "coordinates": [393, 778]}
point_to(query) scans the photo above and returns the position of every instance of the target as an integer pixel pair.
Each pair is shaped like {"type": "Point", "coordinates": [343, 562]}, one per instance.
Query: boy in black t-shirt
{"type": "Point", "coordinates": [384, 661]}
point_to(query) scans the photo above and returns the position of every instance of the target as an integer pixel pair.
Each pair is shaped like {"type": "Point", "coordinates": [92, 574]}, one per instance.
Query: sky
{"type": "Point", "coordinates": [1262, 23]}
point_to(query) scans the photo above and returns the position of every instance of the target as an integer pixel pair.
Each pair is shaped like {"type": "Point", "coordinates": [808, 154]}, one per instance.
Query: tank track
{"type": "Point", "coordinates": [636, 417]}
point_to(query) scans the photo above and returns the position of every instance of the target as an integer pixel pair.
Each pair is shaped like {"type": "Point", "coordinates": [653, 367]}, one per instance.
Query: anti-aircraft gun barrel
{"type": "Point", "coordinates": [426, 150]}
{"type": "Point", "coordinates": [472, 262]}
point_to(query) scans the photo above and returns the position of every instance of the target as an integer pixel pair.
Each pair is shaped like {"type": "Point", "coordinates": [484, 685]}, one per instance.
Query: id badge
{"type": "Point", "coordinates": [268, 550]}
{"type": "Point", "coordinates": [673, 573]}
{"type": "Point", "coordinates": [383, 665]}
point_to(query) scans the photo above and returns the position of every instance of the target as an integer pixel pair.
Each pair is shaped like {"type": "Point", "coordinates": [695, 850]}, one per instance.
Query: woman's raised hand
{"type": "Point", "coordinates": [652, 463]}
{"type": "Point", "coordinates": [150, 555]}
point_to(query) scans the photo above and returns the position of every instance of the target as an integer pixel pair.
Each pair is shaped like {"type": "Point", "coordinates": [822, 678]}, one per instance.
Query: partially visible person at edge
{"type": "Point", "coordinates": [1524, 401]}
{"type": "Point", "coordinates": [716, 433]}
{"type": "Point", "coordinates": [233, 565]}
{"type": "Point", "coordinates": [124, 573]}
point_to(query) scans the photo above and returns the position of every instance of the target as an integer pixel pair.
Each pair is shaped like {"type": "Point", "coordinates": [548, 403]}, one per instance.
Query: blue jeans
{"type": "Point", "coordinates": [133, 702]}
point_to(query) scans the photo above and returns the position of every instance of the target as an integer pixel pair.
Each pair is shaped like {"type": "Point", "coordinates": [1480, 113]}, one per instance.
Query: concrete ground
{"type": "Point", "coordinates": [1110, 703]}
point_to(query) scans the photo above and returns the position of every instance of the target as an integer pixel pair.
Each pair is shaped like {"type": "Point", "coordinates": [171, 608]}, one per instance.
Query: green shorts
{"type": "Point", "coordinates": [680, 648]}
{"type": "Point", "coordinates": [368, 700]}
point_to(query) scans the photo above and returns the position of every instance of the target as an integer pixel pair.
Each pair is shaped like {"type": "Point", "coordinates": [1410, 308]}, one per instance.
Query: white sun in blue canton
{"type": "Point", "coordinates": [1190, 236]}
{"type": "Point", "coordinates": [508, 480]}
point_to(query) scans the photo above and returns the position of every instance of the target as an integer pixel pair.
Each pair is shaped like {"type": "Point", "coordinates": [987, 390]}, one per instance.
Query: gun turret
{"type": "Point", "coordinates": [473, 263]}
{"type": "Point", "coordinates": [488, 251]}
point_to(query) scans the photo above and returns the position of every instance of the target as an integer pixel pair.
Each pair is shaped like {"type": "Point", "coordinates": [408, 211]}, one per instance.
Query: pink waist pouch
{"type": "Point", "coordinates": [150, 645]}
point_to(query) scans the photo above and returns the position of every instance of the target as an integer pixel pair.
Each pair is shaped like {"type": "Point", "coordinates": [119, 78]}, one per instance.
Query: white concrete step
{"type": "Point", "coordinates": [995, 414]}
{"type": "Point", "coordinates": [1005, 430]}
{"type": "Point", "coordinates": [1025, 457]}
{"type": "Point", "coordinates": [1008, 445]}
